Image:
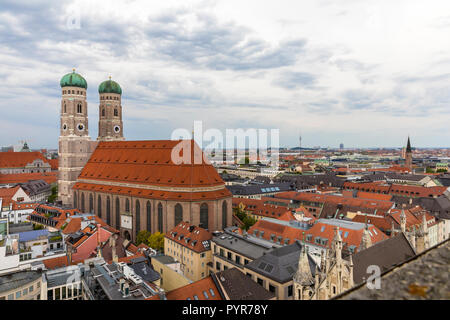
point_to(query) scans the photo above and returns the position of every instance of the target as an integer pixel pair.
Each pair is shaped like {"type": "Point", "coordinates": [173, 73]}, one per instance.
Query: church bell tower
{"type": "Point", "coordinates": [74, 141]}
{"type": "Point", "coordinates": [110, 125]}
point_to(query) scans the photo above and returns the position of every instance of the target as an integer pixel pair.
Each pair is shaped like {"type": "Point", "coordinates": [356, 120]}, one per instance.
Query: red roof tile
{"type": "Point", "coordinates": [196, 236]}
{"type": "Point", "coordinates": [196, 288]}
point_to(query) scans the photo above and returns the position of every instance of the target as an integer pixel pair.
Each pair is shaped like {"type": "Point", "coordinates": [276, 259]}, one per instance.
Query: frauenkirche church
{"type": "Point", "coordinates": [132, 185]}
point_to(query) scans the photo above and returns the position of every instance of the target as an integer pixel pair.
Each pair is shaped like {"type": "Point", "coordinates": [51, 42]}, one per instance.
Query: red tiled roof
{"type": "Point", "coordinates": [49, 177]}
{"type": "Point", "coordinates": [323, 198]}
{"type": "Point", "coordinates": [399, 189]}
{"type": "Point", "coordinates": [260, 207]}
{"type": "Point", "coordinates": [8, 192]}
{"type": "Point", "coordinates": [319, 229]}
{"type": "Point", "coordinates": [196, 288]}
{"type": "Point", "coordinates": [196, 235]}
{"type": "Point", "coordinates": [132, 248]}
{"type": "Point", "coordinates": [54, 163]}
{"type": "Point", "coordinates": [19, 159]}
{"type": "Point", "coordinates": [58, 262]}
{"type": "Point", "coordinates": [148, 163]}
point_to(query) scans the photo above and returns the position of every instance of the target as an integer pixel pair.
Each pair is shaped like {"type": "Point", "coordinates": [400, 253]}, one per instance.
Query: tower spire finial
{"type": "Point", "coordinates": [109, 77]}
{"type": "Point", "coordinates": [73, 70]}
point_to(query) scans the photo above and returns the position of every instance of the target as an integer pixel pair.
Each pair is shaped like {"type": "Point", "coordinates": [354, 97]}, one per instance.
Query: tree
{"type": "Point", "coordinates": [248, 222]}
{"type": "Point", "coordinates": [156, 241]}
{"type": "Point", "coordinates": [54, 195]}
{"type": "Point", "coordinates": [142, 237]}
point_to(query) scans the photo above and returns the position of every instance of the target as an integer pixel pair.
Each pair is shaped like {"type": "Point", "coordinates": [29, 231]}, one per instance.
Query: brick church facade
{"type": "Point", "coordinates": [133, 185]}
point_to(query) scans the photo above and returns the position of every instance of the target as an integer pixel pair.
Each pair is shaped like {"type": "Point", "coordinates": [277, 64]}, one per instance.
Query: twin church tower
{"type": "Point", "coordinates": [75, 144]}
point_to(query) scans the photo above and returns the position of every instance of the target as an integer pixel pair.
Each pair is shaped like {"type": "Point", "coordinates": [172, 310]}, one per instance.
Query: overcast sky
{"type": "Point", "coordinates": [362, 73]}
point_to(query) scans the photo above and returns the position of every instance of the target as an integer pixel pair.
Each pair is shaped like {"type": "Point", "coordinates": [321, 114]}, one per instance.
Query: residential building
{"type": "Point", "coordinates": [22, 285]}
{"type": "Point", "coordinates": [191, 246]}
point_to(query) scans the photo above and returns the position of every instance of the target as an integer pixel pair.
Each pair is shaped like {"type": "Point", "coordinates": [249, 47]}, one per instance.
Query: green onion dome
{"type": "Point", "coordinates": [109, 86]}
{"type": "Point", "coordinates": [73, 80]}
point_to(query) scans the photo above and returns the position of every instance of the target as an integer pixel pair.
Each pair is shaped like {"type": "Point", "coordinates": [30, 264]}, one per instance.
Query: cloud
{"type": "Point", "coordinates": [274, 66]}
{"type": "Point", "coordinates": [294, 80]}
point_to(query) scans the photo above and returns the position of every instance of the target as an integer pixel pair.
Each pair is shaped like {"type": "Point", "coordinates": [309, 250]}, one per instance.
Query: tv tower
{"type": "Point", "coordinates": [300, 140]}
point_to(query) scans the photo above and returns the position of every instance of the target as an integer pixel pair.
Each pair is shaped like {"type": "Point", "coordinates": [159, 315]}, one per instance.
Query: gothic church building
{"type": "Point", "coordinates": [132, 185]}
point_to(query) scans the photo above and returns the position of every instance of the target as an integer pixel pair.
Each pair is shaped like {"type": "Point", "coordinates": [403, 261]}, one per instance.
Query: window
{"type": "Point", "coordinates": [82, 202]}
{"type": "Point", "coordinates": [229, 256]}
{"type": "Point", "coordinates": [91, 203]}
{"type": "Point", "coordinates": [116, 113]}
{"type": "Point", "coordinates": [79, 108]}
{"type": "Point", "coordinates": [99, 206]}
{"type": "Point", "coordinates": [212, 292]}
{"type": "Point", "coordinates": [11, 296]}
{"type": "Point", "coordinates": [108, 210]}
{"type": "Point", "coordinates": [149, 218]}
{"type": "Point", "coordinates": [224, 214]}
{"type": "Point", "coordinates": [160, 217]}
{"type": "Point", "coordinates": [178, 214]}
{"type": "Point", "coordinates": [30, 289]}
{"type": "Point", "coordinates": [117, 213]}
{"type": "Point", "coordinates": [103, 112]}
{"type": "Point", "coordinates": [246, 261]}
{"type": "Point", "coordinates": [290, 290]}
{"type": "Point", "coordinates": [205, 294]}
{"type": "Point", "coordinates": [138, 216]}
{"type": "Point", "coordinates": [204, 216]}
{"type": "Point", "coordinates": [127, 205]}
{"type": "Point", "coordinates": [221, 253]}
{"type": "Point", "coordinates": [25, 291]}
{"type": "Point", "coordinates": [238, 259]}
{"type": "Point", "coordinates": [217, 265]}
{"type": "Point", "coordinates": [271, 288]}
{"type": "Point", "coordinates": [18, 294]}
{"type": "Point", "coordinates": [260, 281]}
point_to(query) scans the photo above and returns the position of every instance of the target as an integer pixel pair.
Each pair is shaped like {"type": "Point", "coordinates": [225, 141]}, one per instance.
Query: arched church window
{"type": "Point", "coordinates": [65, 109]}
{"type": "Point", "coordinates": [82, 202]}
{"type": "Point", "coordinates": [204, 216]}
{"type": "Point", "coordinates": [103, 112]}
{"type": "Point", "coordinates": [117, 213]}
{"type": "Point", "coordinates": [138, 216]}
{"type": "Point", "coordinates": [79, 108]}
{"type": "Point", "coordinates": [178, 214]}
{"type": "Point", "coordinates": [160, 217]}
{"type": "Point", "coordinates": [116, 113]}
{"type": "Point", "coordinates": [149, 216]}
{"type": "Point", "coordinates": [224, 214]}
{"type": "Point", "coordinates": [99, 206]}
{"type": "Point", "coordinates": [108, 211]}
{"type": "Point", "coordinates": [127, 205]}
{"type": "Point", "coordinates": [91, 203]}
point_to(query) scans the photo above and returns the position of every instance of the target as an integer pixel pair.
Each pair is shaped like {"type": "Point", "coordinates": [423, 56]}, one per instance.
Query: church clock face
{"type": "Point", "coordinates": [80, 127]}
{"type": "Point", "coordinates": [116, 129]}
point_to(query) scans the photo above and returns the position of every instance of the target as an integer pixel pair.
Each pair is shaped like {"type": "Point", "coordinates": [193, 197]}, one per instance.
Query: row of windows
{"type": "Point", "coordinates": [108, 98]}
{"type": "Point", "coordinates": [116, 112]}
{"type": "Point", "coordinates": [73, 92]}
{"type": "Point", "coordinates": [79, 108]}
{"type": "Point", "coordinates": [178, 212]}
{"type": "Point", "coordinates": [229, 255]}
{"type": "Point", "coordinates": [65, 292]}
{"type": "Point", "coordinates": [22, 293]}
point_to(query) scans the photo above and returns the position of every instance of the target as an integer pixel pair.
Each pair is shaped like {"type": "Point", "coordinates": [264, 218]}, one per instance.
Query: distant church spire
{"type": "Point", "coordinates": [408, 146]}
